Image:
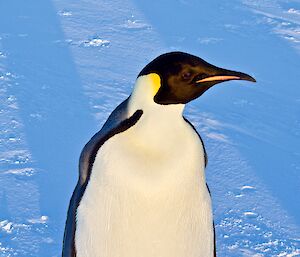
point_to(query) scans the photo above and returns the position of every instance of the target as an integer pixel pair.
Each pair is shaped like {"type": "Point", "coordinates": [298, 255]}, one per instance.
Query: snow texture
{"type": "Point", "coordinates": [65, 65]}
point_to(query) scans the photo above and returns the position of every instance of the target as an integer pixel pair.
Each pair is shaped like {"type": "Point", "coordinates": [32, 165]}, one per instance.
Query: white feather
{"type": "Point", "coordinates": [147, 195]}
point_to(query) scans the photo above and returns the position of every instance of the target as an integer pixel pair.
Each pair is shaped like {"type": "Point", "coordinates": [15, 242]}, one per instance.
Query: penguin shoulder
{"type": "Point", "coordinates": [117, 122]}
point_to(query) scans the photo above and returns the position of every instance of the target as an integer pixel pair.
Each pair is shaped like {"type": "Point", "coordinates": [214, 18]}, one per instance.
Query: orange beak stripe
{"type": "Point", "coordinates": [222, 78]}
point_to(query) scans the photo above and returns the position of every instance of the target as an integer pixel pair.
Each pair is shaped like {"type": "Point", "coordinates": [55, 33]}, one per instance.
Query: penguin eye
{"type": "Point", "coordinates": [186, 75]}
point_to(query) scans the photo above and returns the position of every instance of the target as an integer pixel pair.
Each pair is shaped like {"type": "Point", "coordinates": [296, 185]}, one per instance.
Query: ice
{"type": "Point", "coordinates": [6, 226]}
{"type": "Point", "coordinates": [94, 42]}
{"type": "Point", "coordinates": [65, 13]}
{"type": "Point", "coordinates": [247, 188]}
{"type": "Point", "coordinates": [209, 40]}
{"type": "Point", "coordinates": [21, 172]}
{"type": "Point", "coordinates": [41, 220]}
{"type": "Point", "coordinates": [135, 25]}
{"type": "Point", "coordinates": [293, 11]}
{"type": "Point", "coordinates": [217, 136]}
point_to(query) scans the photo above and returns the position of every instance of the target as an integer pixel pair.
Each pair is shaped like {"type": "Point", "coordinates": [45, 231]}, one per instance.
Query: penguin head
{"type": "Point", "coordinates": [178, 78]}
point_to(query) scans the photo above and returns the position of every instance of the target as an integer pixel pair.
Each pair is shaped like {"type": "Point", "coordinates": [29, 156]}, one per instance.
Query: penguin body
{"type": "Point", "coordinates": [142, 189]}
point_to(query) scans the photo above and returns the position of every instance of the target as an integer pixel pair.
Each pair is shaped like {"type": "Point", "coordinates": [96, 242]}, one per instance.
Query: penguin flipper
{"type": "Point", "coordinates": [116, 123]}
{"type": "Point", "coordinates": [215, 243]}
{"type": "Point", "coordinates": [90, 150]}
{"type": "Point", "coordinates": [70, 227]}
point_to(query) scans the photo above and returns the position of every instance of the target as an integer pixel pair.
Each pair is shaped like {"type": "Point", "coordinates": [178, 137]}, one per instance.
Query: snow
{"type": "Point", "coordinates": [65, 65]}
{"type": "Point", "coordinates": [65, 13]}
{"type": "Point", "coordinates": [135, 24]}
{"type": "Point", "coordinates": [96, 42]}
{"type": "Point", "coordinates": [20, 172]}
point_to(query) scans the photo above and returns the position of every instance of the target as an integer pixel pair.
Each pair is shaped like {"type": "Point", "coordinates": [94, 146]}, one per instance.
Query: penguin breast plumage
{"type": "Point", "coordinates": [147, 194]}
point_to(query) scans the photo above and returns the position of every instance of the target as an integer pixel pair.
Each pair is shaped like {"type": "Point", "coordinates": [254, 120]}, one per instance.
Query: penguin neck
{"type": "Point", "coordinates": [159, 123]}
{"type": "Point", "coordinates": [142, 98]}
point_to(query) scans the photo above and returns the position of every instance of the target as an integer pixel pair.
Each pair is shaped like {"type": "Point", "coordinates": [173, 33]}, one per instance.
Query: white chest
{"type": "Point", "coordinates": [147, 195]}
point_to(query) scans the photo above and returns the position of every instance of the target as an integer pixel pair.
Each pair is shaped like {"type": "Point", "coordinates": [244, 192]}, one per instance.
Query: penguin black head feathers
{"type": "Point", "coordinates": [184, 77]}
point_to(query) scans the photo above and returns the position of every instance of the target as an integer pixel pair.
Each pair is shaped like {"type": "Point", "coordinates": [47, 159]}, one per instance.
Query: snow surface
{"type": "Point", "coordinates": [65, 65]}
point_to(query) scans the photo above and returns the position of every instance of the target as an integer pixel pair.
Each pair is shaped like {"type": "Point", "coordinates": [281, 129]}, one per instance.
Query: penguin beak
{"type": "Point", "coordinates": [225, 75]}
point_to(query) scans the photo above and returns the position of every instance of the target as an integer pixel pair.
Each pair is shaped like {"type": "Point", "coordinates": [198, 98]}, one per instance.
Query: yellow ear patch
{"type": "Point", "coordinates": [155, 82]}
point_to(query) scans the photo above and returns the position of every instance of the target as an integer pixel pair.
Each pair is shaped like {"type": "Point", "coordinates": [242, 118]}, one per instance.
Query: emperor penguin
{"type": "Point", "coordinates": [142, 190]}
